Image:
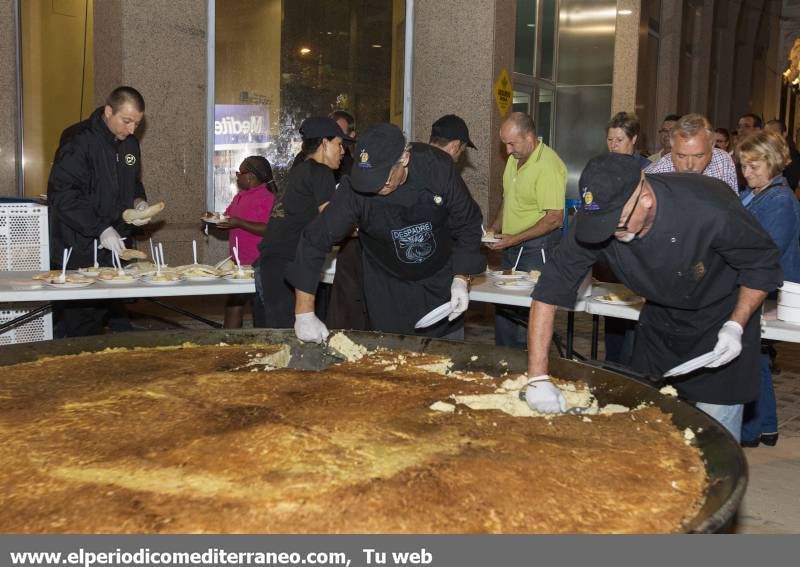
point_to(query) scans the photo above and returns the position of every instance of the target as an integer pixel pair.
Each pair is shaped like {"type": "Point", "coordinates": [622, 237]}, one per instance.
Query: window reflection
{"type": "Point", "coordinates": [280, 61]}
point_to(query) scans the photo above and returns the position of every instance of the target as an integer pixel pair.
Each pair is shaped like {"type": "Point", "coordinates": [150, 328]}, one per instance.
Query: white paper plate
{"type": "Point", "coordinates": [515, 284]}
{"type": "Point", "coordinates": [213, 220]}
{"type": "Point", "coordinates": [498, 274]}
{"type": "Point", "coordinates": [69, 285]}
{"type": "Point", "coordinates": [434, 316]}
{"type": "Point", "coordinates": [788, 314]}
{"type": "Point", "coordinates": [790, 287]}
{"type": "Point", "coordinates": [691, 365]}
{"type": "Point", "coordinates": [239, 280]}
{"type": "Point", "coordinates": [119, 282]}
{"type": "Point", "coordinates": [91, 272]}
{"type": "Point", "coordinates": [608, 301]}
{"type": "Point", "coordinates": [191, 278]}
{"type": "Point", "coordinates": [489, 240]}
{"type": "Point", "coordinates": [150, 281]}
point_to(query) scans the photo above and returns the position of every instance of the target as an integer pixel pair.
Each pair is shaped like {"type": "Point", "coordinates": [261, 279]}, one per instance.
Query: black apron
{"type": "Point", "coordinates": [407, 263]}
{"type": "Point", "coordinates": [667, 337]}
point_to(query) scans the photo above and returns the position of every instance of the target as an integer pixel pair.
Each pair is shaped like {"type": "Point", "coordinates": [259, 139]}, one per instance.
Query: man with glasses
{"type": "Point", "coordinates": [420, 230]}
{"type": "Point", "coordinates": [704, 265]}
{"type": "Point", "coordinates": [664, 137]}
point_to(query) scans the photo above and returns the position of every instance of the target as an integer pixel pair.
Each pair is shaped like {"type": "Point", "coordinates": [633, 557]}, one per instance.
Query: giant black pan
{"type": "Point", "coordinates": [725, 463]}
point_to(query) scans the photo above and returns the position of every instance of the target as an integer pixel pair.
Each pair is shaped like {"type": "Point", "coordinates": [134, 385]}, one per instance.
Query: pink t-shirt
{"type": "Point", "coordinates": [253, 205]}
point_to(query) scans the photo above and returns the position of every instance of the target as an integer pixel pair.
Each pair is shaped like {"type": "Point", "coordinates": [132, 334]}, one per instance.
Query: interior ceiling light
{"type": "Point", "coordinates": [376, 45]}
{"type": "Point", "coordinates": [305, 51]}
{"type": "Point", "coordinates": [625, 12]}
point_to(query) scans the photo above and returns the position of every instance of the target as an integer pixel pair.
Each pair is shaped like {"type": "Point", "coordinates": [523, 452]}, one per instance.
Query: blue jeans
{"type": "Point", "coordinates": [508, 332]}
{"type": "Point", "coordinates": [728, 416]}
{"type": "Point", "coordinates": [761, 415]}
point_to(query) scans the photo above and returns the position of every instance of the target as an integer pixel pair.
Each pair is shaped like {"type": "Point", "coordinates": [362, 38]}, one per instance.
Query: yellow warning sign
{"type": "Point", "coordinates": [503, 93]}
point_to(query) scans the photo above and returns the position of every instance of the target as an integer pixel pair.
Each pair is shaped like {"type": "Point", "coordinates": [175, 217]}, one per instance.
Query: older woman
{"type": "Point", "coordinates": [622, 134]}
{"type": "Point", "coordinates": [763, 156]}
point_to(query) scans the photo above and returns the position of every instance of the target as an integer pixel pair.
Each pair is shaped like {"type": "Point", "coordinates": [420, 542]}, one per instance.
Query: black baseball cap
{"type": "Point", "coordinates": [452, 127]}
{"type": "Point", "coordinates": [322, 127]}
{"type": "Point", "coordinates": [377, 150]}
{"type": "Point", "coordinates": [606, 184]}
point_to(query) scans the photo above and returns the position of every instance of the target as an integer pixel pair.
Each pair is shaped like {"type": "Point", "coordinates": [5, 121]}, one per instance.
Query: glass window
{"type": "Point", "coordinates": [548, 32]}
{"type": "Point", "coordinates": [521, 102]}
{"type": "Point", "coordinates": [544, 115]}
{"type": "Point", "coordinates": [279, 61]}
{"type": "Point", "coordinates": [525, 38]}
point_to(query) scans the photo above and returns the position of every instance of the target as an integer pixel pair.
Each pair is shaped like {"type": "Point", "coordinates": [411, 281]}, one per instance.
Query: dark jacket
{"type": "Point", "coordinates": [414, 241]}
{"type": "Point", "coordinates": [94, 178]}
{"type": "Point", "coordinates": [702, 247]}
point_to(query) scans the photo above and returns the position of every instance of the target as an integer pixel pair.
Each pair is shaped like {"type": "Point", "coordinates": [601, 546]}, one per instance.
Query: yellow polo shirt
{"type": "Point", "coordinates": [539, 185]}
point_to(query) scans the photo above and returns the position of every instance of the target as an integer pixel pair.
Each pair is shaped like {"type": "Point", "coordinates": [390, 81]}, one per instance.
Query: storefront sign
{"type": "Point", "coordinates": [239, 125]}
{"type": "Point", "coordinates": [503, 93]}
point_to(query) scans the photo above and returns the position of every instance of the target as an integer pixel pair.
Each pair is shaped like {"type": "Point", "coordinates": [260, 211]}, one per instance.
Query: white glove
{"type": "Point", "coordinates": [544, 396]}
{"type": "Point", "coordinates": [459, 298]}
{"type": "Point", "coordinates": [729, 344]}
{"type": "Point", "coordinates": [142, 205]}
{"type": "Point", "coordinates": [139, 222]}
{"type": "Point", "coordinates": [309, 328]}
{"type": "Point", "coordinates": [111, 241]}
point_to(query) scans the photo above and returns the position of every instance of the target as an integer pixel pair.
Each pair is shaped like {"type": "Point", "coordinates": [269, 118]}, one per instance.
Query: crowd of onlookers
{"type": "Point", "coordinates": [409, 232]}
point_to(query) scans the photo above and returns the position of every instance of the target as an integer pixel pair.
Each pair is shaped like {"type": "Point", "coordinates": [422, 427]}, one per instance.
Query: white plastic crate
{"type": "Point", "coordinates": [39, 329]}
{"type": "Point", "coordinates": [24, 246]}
{"type": "Point", "coordinates": [24, 237]}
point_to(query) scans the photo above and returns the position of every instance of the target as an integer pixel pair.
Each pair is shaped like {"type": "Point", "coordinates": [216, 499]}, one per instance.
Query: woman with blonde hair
{"type": "Point", "coordinates": [763, 156]}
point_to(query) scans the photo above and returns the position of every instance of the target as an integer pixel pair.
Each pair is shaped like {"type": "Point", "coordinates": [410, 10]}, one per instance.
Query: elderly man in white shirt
{"type": "Point", "coordinates": [693, 151]}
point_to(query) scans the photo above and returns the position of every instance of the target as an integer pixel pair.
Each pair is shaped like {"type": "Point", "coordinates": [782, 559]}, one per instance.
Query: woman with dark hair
{"type": "Point", "coordinates": [308, 188]}
{"type": "Point", "coordinates": [764, 155]}
{"type": "Point", "coordinates": [622, 134]}
{"type": "Point", "coordinates": [722, 140]}
{"type": "Point", "coordinates": [248, 215]}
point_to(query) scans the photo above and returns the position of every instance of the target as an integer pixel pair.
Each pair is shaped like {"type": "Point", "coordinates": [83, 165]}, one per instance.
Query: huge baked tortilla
{"type": "Point", "coordinates": [221, 439]}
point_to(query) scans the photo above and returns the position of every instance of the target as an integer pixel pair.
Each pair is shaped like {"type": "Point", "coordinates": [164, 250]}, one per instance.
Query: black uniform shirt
{"type": "Point", "coordinates": [414, 241]}
{"type": "Point", "coordinates": [702, 246]}
{"type": "Point", "coordinates": [432, 182]}
{"type": "Point", "coordinates": [309, 185]}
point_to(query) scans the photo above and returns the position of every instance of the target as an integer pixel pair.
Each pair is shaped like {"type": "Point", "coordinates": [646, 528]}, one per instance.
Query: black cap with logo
{"type": "Point", "coordinates": [606, 184]}
{"type": "Point", "coordinates": [452, 127]}
{"type": "Point", "coordinates": [322, 127]}
{"type": "Point", "coordinates": [377, 150]}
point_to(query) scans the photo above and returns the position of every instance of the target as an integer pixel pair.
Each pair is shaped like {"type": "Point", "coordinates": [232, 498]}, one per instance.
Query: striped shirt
{"type": "Point", "coordinates": [721, 166]}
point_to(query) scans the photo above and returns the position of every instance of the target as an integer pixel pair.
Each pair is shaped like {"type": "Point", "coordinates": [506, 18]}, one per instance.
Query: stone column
{"type": "Point", "coordinates": [458, 56]}
{"type": "Point", "coordinates": [669, 57]}
{"type": "Point", "coordinates": [626, 56]}
{"type": "Point", "coordinates": [701, 58]}
{"type": "Point", "coordinates": [723, 63]}
{"type": "Point", "coordinates": [159, 48]}
{"type": "Point", "coordinates": [8, 101]}
{"type": "Point", "coordinates": [744, 53]}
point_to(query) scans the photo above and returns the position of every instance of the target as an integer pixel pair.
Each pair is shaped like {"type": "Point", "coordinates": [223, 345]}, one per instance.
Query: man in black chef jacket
{"type": "Point", "coordinates": [704, 265]}
{"type": "Point", "coordinates": [420, 230]}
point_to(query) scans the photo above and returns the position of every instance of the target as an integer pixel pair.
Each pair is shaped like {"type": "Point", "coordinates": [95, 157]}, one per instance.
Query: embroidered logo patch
{"type": "Point", "coordinates": [414, 244]}
{"type": "Point", "coordinates": [130, 159]}
{"type": "Point", "coordinates": [588, 201]}
{"type": "Point", "coordinates": [699, 270]}
{"type": "Point", "coordinates": [437, 199]}
{"type": "Point", "coordinates": [363, 160]}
